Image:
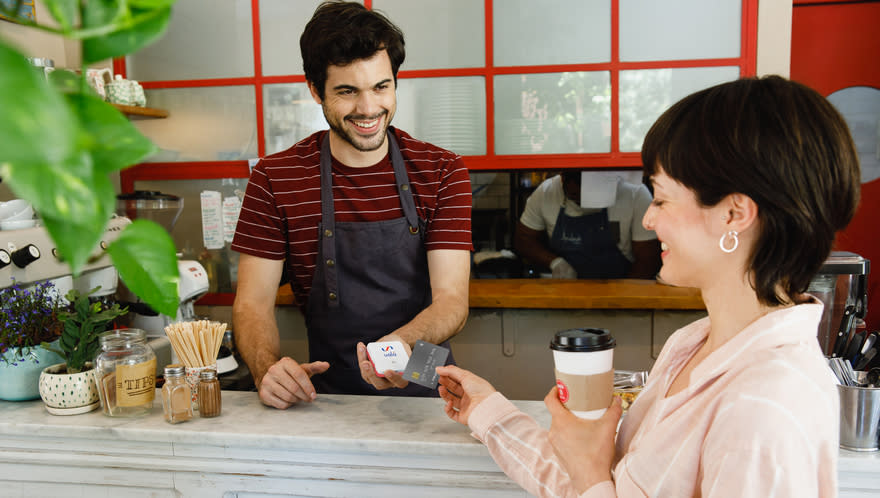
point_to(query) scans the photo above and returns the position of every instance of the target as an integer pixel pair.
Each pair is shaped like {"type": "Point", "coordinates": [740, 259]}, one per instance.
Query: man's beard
{"type": "Point", "coordinates": [352, 138]}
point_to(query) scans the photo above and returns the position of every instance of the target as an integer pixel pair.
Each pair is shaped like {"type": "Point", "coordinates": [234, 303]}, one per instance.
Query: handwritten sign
{"type": "Point", "coordinates": [212, 219]}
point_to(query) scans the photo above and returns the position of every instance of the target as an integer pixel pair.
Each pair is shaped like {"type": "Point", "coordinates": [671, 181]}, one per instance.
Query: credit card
{"type": "Point", "coordinates": [424, 359]}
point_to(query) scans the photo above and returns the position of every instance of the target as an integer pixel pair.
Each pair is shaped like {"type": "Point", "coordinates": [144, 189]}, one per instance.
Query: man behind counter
{"type": "Point", "coordinates": [604, 240]}
{"type": "Point", "coordinates": [372, 225]}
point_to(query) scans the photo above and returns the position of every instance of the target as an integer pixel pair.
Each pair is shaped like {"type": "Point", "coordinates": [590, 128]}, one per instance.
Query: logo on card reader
{"type": "Point", "coordinates": [388, 351]}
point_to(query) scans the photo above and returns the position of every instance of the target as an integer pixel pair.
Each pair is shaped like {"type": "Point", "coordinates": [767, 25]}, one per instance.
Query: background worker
{"type": "Point", "coordinates": [595, 232]}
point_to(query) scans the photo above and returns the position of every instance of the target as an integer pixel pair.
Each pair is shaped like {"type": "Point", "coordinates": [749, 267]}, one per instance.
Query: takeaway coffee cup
{"type": "Point", "coordinates": [584, 371]}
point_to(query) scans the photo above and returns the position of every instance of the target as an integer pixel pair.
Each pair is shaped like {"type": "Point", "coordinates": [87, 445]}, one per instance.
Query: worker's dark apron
{"type": "Point", "coordinates": [589, 245]}
{"type": "Point", "coordinates": [370, 279]}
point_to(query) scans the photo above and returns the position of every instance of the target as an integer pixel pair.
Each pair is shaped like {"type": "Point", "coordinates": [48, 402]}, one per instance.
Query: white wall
{"type": "Point", "coordinates": [774, 37]}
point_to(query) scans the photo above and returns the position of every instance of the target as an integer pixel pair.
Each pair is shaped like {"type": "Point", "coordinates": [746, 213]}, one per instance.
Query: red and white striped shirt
{"type": "Point", "coordinates": [282, 204]}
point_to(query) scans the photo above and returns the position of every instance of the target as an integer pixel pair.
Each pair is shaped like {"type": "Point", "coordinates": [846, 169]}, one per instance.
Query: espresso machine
{"type": "Point", "coordinates": [841, 284]}
{"type": "Point", "coordinates": [29, 255]}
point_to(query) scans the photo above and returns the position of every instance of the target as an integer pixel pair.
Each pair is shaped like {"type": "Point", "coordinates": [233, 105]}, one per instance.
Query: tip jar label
{"type": "Point", "coordinates": [136, 384]}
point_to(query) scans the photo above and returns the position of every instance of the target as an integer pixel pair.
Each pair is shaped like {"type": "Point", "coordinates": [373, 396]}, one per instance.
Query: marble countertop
{"type": "Point", "coordinates": [338, 423]}
{"type": "Point", "coordinates": [380, 424]}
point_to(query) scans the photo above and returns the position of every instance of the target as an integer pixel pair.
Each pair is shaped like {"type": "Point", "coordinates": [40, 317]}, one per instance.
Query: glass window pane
{"type": "Point", "coordinates": [221, 265]}
{"type": "Point", "coordinates": [645, 94]}
{"type": "Point", "coordinates": [553, 113]}
{"type": "Point", "coordinates": [679, 29]}
{"type": "Point", "coordinates": [223, 25]}
{"type": "Point", "coordinates": [204, 124]}
{"type": "Point", "coordinates": [527, 32]}
{"type": "Point", "coordinates": [444, 34]}
{"type": "Point", "coordinates": [289, 115]}
{"type": "Point", "coordinates": [281, 24]}
{"type": "Point", "coordinates": [447, 112]}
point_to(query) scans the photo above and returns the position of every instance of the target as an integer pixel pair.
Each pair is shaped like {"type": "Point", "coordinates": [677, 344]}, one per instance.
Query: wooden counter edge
{"type": "Point", "coordinates": [568, 294]}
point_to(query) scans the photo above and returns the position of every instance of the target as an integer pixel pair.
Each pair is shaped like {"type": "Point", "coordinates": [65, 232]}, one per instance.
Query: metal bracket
{"type": "Point", "coordinates": [508, 333]}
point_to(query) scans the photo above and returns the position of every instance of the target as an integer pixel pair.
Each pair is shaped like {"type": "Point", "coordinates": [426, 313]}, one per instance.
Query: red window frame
{"type": "Point", "coordinates": [490, 161]}
{"type": "Point", "coordinates": [747, 62]}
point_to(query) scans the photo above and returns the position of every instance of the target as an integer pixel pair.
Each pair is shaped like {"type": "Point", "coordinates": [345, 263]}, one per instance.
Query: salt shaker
{"type": "Point", "coordinates": [209, 393]}
{"type": "Point", "coordinates": [176, 395]}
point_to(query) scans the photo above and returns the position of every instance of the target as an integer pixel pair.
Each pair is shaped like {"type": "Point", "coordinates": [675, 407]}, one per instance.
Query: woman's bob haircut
{"type": "Point", "coordinates": [783, 145]}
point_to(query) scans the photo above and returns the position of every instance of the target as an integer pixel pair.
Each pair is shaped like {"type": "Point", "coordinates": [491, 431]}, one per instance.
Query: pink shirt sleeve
{"type": "Point", "coordinates": [521, 448]}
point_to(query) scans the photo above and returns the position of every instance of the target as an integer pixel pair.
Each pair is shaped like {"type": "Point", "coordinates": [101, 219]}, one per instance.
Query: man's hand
{"type": "Point", "coordinates": [584, 447]}
{"type": "Point", "coordinates": [462, 391]}
{"type": "Point", "coordinates": [287, 382]}
{"type": "Point", "coordinates": [392, 379]}
{"type": "Point", "coordinates": [562, 269]}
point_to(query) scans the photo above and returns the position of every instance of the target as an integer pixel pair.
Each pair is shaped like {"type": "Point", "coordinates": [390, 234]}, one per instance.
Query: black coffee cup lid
{"type": "Point", "coordinates": [582, 340]}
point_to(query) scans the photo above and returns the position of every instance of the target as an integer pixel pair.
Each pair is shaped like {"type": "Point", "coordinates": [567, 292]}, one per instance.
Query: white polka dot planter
{"type": "Point", "coordinates": [68, 394]}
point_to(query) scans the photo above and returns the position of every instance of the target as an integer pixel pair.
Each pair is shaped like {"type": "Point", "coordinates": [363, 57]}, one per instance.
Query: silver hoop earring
{"type": "Point", "coordinates": [731, 234]}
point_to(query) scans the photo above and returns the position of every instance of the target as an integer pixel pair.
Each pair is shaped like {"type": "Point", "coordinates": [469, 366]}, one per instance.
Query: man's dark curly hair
{"type": "Point", "coordinates": [340, 33]}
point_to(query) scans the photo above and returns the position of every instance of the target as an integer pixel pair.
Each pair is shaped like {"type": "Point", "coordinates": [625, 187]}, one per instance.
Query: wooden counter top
{"type": "Point", "coordinates": [569, 294]}
{"type": "Point", "coordinates": [582, 294]}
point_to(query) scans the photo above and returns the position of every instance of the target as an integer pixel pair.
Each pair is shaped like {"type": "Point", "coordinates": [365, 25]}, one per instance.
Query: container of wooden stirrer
{"type": "Point", "coordinates": [196, 345]}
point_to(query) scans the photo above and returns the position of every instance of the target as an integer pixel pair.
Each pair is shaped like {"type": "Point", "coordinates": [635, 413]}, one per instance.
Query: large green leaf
{"type": "Point", "coordinates": [140, 29]}
{"type": "Point", "coordinates": [146, 259]}
{"type": "Point", "coordinates": [114, 142]}
{"type": "Point", "coordinates": [36, 127]}
{"type": "Point", "coordinates": [64, 11]}
{"type": "Point", "coordinates": [76, 210]}
{"type": "Point", "coordinates": [151, 4]}
{"type": "Point", "coordinates": [97, 13]}
{"type": "Point", "coordinates": [65, 81]}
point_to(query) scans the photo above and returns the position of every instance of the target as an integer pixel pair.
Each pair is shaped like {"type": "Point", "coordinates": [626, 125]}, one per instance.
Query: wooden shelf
{"type": "Point", "coordinates": [147, 112]}
{"type": "Point", "coordinates": [535, 293]}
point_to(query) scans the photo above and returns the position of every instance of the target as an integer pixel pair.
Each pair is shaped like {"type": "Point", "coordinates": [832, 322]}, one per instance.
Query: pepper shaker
{"type": "Point", "coordinates": [209, 393]}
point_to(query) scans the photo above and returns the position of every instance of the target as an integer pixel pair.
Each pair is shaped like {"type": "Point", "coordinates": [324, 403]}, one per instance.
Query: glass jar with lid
{"type": "Point", "coordinates": [126, 373]}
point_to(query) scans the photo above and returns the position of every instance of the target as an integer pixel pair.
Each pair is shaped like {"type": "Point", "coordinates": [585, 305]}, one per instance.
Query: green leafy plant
{"type": "Point", "coordinates": [80, 339]}
{"type": "Point", "coordinates": [28, 317]}
{"type": "Point", "coordinates": [60, 142]}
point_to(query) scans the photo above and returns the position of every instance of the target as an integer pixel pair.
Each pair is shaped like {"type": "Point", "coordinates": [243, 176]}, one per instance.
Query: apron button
{"type": "Point", "coordinates": [328, 233]}
{"type": "Point", "coordinates": [404, 187]}
{"type": "Point", "coordinates": [330, 262]}
{"type": "Point", "coordinates": [332, 296]}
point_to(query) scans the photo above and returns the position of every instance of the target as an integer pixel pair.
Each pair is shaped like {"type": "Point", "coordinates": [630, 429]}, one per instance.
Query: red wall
{"type": "Point", "coordinates": [836, 46]}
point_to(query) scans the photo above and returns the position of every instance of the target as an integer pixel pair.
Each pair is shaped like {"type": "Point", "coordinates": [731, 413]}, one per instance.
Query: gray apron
{"type": "Point", "coordinates": [370, 279]}
{"type": "Point", "coordinates": [589, 245]}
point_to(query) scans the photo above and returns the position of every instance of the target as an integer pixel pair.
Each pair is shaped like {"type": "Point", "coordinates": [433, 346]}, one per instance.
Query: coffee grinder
{"type": "Point", "coordinates": [841, 284]}
{"type": "Point", "coordinates": [163, 209]}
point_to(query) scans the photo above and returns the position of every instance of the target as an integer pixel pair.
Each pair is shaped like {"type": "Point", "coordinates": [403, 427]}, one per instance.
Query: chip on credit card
{"type": "Point", "coordinates": [422, 362]}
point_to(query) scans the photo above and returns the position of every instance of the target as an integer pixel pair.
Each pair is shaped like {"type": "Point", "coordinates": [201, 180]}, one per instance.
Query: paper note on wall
{"type": "Point", "coordinates": [212, 219]}
{"type": "Point", "coordinates": [231, 208]}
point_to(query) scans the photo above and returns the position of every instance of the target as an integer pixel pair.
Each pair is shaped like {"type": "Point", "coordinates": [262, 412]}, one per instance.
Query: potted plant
{"type": "Point", "coordinates": [69, 387]}
{"type": "Point", "coordinates": [60, 142]}
{"type": "Point", "coordinates": [28, 317]}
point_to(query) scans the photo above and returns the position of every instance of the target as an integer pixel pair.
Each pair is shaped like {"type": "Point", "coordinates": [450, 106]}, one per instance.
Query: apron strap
{"type": "Point", "coordinates": [328, 225]}
{"type": "Point", "coordinates": [403, 187]}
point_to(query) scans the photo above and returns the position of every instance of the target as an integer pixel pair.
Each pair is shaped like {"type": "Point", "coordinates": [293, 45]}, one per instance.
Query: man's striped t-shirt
{"type": "Point", "coordinates": [282, 205]}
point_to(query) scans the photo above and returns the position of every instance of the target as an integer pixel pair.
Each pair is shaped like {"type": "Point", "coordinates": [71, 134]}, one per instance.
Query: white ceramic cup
{"type": "Point", "coordinates": [16, 209]}
{"type": "Point", "coordinates": [17, 224]}
{"type": "Point", "coordinates": [584, 370]}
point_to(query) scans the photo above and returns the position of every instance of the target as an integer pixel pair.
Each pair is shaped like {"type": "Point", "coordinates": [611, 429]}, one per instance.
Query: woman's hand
{"type": "Point", "coordinates": [584, 447]}
{"type": "Point", "coordinates": [462, 391]}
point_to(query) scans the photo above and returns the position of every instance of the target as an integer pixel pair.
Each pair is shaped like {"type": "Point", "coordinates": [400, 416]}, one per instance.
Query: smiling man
{"type": "Point", "coordinates": [371, 224]}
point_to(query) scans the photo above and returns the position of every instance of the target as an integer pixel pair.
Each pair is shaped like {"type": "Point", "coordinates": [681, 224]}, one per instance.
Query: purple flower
{"type": "Point", "coordinates": [28, 317]}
